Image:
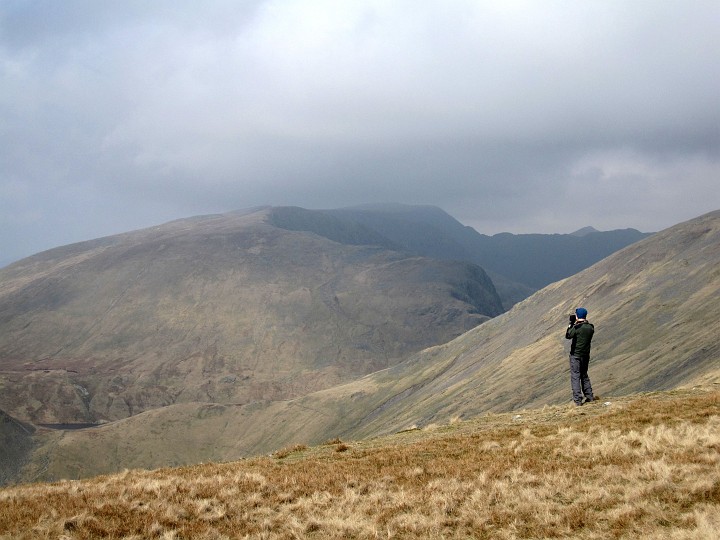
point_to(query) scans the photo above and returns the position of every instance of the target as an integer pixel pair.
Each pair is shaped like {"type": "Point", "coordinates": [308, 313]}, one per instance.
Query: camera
{"type": "Point", "coordinates": [573, 318]}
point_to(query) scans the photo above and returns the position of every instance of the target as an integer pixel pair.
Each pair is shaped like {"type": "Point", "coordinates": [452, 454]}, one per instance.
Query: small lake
{"type": "Point", "coordinates": [68, 426]}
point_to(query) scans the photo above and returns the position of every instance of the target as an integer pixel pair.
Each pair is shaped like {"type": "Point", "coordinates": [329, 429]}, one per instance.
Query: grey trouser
{"type": "Point", "coordinates": [579, 380]}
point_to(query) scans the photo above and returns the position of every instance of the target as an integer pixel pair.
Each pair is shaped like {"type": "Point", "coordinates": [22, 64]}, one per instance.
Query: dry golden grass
{"type": "Point", "coordinates": [644, 466]}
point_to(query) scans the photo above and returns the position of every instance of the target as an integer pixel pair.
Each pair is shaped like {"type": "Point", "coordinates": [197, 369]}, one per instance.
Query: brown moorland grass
{"type": "Point", "coordinates": [642, 466]}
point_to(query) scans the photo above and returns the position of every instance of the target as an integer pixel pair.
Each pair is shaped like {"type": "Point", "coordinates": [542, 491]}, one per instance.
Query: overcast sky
{"type": "Point", "coordinates": [519, 116]}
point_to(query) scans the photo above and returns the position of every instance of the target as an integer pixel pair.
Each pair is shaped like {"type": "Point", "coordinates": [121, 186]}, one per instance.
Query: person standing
{"type": "Point", "coordinates": [581, 332]}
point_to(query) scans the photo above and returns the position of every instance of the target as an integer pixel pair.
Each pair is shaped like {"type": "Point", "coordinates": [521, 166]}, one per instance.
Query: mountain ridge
{"type": "Point", "coordinates": [531, 260]}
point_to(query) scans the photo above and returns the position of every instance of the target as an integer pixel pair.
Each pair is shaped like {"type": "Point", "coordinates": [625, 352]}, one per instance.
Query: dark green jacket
{"type": "Point", "coordinates": [581, 334]}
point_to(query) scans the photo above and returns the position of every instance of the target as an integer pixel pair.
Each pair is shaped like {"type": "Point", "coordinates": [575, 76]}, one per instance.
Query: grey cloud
{"type": "Point", "coordinates": [121, 114]}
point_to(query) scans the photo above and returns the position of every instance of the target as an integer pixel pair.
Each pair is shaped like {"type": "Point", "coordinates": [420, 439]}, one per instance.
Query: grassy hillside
{"type": "Point", "coordinates": [227, 309]}
{"type": "Point", "coordinates": [652, 304]}
{"type": "Point", "coordinates": [645, 465]}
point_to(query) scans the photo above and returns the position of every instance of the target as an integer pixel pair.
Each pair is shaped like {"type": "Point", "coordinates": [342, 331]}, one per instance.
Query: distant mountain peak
{"type": "Point", "coordinates": [584, 231]}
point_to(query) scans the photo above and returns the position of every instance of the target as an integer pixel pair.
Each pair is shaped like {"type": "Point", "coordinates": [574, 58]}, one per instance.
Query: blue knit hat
{"type": "Point", "coordinates": [581, 313]}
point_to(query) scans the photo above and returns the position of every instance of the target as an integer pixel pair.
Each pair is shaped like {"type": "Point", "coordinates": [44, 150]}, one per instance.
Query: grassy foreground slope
{"type": "Point", "coordinates": [646, 465]}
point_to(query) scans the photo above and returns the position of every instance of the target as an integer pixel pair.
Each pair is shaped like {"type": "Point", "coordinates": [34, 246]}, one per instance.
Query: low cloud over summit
{"type": "Point", "coordinates": [529, 117]}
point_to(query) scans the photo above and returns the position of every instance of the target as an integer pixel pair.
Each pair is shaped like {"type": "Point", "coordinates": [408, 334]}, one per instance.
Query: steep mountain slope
{"type": "Point", "coordinates": [534, 260]}
{"type": "Point", "coordinates": [654, 305]}
{"type": "Point", "coordinates": [227, 308]}
{"type": "Point", "coordinates": [16, 443]}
